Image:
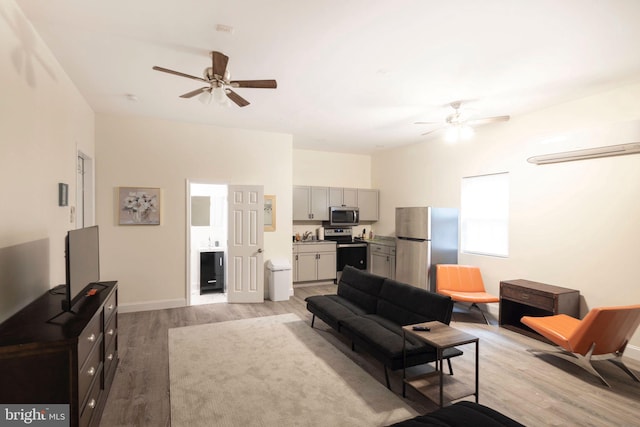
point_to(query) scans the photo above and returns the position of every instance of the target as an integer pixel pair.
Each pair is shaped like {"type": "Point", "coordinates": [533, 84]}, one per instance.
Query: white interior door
{"type": "Point", "coordinates": [245, 265]}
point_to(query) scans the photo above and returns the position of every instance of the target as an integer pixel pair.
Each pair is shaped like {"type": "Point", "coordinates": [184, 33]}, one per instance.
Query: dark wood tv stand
{"type": "Point", "coordinates": [526, 298]}
{"type": "Point", "coordinates": [70, 360]}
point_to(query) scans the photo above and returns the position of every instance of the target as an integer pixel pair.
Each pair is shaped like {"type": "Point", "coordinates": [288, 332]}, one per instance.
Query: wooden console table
{"type": "Point", "coordinates": [526, 298]}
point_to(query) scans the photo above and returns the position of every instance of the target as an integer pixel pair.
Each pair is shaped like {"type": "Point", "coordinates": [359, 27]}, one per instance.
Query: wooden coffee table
{"type": "Point", "coordinates": [441, 337]}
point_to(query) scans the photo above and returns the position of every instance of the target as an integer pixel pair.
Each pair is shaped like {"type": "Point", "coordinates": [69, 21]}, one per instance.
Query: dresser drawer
{"type": "Point", "coordinates": [110, 330]}
{"type": "Point", "coordinates": [90, 405]}
{"type": "Point", "coordinates": [110, 307]}
{"type": "Point", "coordinates": [526, 296]}
{"type": "Point", "coordinates": [89, 337]}
{"type": "Point", "coordinates": [89, 370]}
{"type": "Point", "coordinates": [110, 356]}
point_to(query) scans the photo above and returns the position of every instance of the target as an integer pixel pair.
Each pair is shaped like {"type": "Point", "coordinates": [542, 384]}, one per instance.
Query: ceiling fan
{"type": "Point", "coordinates": [460, 123]}
{"type": "Point", "coordinates": [219, 83]}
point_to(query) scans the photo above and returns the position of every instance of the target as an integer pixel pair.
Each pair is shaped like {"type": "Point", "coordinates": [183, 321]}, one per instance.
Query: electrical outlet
{"type": "Point", "coordinates": [72, 214]}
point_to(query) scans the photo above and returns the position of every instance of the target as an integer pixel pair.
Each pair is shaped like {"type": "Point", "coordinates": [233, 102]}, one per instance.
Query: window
{"type": "Point", "coordinates": [484, 214]}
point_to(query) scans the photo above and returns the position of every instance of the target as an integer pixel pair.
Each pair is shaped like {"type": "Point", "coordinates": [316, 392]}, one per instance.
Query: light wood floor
{"type": "Point", "coordinates": [536, 391]}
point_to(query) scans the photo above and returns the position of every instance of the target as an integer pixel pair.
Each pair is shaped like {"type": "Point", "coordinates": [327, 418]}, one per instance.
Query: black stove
{"type": "Point", "coordinates": [349, 251]}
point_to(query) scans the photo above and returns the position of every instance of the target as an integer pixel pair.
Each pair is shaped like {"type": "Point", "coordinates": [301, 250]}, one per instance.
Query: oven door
{"type": "Point", "coordinates": [353, 254]}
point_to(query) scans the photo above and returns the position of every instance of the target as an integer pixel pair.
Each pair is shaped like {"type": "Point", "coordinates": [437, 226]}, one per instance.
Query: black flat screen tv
{"type": "Point", "coordinates": [82, 256]}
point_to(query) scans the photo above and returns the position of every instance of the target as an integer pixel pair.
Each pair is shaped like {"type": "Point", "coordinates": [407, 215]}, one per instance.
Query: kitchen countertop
{"type": "Point", "coordinates": [311, 242]}
{"type": "Point", "coordinates": [382, 240]}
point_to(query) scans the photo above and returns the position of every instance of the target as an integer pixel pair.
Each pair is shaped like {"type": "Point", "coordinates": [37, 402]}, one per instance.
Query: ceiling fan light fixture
{"type": "Point", "coordinates": [458, 132]}
{"type": "Point", "coordinates": [205, 97]}
{"type": "Point", "coordinates": [220, 96]}
{"type": "Point", "coordinates": [466, 132]}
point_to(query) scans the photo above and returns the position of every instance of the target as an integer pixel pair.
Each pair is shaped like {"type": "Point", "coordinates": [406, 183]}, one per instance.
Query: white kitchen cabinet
{"type": "Point", "coordinates": [307, 267]}
{"type": "Point", "coordinates": [343, 196]}
{"type": "Point", "coordinates": [368, 204]}
{"type": "Point", "coordinates": [382, 260]}
{"type": "Point", "coordinates": [310, 203]}
{"type": "Point", "coordinates": [301, 197]}
{"type": "Point", "coordinates": [314, 261]}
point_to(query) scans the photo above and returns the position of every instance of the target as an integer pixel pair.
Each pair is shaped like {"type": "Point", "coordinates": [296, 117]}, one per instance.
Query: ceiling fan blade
{"type": "Point", "coordinates": [240, 101]}
{"type": "Point", "coordinates": [219, 63]}
{"type": "Point", "coordinates": [486, 120]}
{"type": "Point", "coordinates": [431, 131]}
{"type": "Point", "coordinates": [178, 73]}
{"type": "Point", "coordinates": [260, 84]}
{"type": "Point", "coordinates": [194, 92]}
{"type": "Point", "coordinates": [427, 123]}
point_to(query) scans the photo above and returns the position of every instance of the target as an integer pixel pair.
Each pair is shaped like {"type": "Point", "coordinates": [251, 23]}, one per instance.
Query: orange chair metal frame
{"type": "Point", "coordinates": [603, 334]}
{"type": "Point", "coordinates": [463, 283]}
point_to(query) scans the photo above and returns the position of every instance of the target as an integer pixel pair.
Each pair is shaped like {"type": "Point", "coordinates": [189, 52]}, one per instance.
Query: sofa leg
{"type": "Point", "coordinates": [386, 377]}
{"type": "Point", "coordinates": [313, 319]}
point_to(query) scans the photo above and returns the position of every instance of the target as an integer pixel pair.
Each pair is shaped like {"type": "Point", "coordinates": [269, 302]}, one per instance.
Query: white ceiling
{"type": "Point", "coordinates": [353, 75]}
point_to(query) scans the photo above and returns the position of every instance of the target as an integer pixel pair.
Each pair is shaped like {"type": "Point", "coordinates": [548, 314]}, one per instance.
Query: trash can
{"type": "Point", "coordinates": [279, 279]}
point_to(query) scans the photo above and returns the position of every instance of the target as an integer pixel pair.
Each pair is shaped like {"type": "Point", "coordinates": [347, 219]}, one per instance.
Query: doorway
{"type": "Point", "coordinates": [84, 216]}
{"type": "Point", "coordinates": [207, 240]}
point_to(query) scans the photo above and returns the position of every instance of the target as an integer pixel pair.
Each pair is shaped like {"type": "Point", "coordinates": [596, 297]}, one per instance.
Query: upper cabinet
{"type": "Point", "coordinates": [368, 204]}
{"type": "Point", "coordinates": [343, 197]}
{"type": "Point", "coordinates": [312, 203]}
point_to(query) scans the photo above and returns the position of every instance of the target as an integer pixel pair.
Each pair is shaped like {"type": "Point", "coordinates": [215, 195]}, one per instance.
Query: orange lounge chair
{"type": "Point", "coordinates": [603, 334]}
{"type": "Point", "coordinates": [463, 283]}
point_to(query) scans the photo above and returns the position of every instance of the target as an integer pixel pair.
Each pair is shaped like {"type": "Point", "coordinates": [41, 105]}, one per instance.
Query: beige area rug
{"type": "Point", "coordinates": [271, 371]}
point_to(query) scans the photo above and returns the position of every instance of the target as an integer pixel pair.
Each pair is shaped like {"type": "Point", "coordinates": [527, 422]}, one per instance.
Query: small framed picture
{"type": "Point", "coordinates": [138, 206]}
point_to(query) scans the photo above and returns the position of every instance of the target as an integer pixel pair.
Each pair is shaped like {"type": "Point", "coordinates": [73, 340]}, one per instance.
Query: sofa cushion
{"type": "Point", "coordinates": [461, 414]}
{"type": "Point", "coordinates": [333, 307]}
{"type": "Point", "coordinates": [405, 304]}
{"type": "Point", "coordinates": [383, 335]}
{"type": "Point", "coordinates": [360, 288]}
{"type": "Point", "coordinates": [383, 339]}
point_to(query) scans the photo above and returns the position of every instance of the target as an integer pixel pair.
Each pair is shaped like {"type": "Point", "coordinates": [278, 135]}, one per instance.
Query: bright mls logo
{"type": "Point", "coordinates": [36, 415]}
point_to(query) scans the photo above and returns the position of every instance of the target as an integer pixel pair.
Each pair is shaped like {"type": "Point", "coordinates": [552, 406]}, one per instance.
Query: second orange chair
{"type": "Point", "coordinates": [463, 283]}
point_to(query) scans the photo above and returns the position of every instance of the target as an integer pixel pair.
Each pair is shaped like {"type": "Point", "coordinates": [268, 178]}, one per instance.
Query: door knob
{"type": "Point", "coordinates": [259, 251]}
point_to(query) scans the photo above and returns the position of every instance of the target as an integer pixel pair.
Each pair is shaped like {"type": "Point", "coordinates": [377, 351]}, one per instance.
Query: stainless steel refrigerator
{"type": "Point", "coordinates": [425, 237]}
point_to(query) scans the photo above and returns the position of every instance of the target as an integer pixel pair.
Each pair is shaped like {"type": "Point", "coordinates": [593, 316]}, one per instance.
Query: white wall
{"type": "Point", "coordinates": [150, 261]}
{"type": "Point", "coordinates": [43, 122]}
{"type": "Point", "coordinates": [571, 224]}
{"type": "Point", "coordinates": [324, 169]}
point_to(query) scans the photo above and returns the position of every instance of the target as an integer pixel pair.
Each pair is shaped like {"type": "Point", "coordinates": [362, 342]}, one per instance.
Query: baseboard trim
{"type": "Point", "coordinates": [632, 352]}
{"type": "Point", "coordinates": [152, 305]}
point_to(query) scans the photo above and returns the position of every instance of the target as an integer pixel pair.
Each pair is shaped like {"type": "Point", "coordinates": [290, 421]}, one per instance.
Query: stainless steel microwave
{"type": "Point", "coordinates": [343, 216]}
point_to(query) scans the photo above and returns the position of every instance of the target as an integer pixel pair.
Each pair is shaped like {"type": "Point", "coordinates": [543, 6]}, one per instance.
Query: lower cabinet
{"type": "Point", "coordinates": [382, 260]}
{"type": "Point", "coordinates": [211, 272]}
{"type": "Point", "coordinates": [314, 261]}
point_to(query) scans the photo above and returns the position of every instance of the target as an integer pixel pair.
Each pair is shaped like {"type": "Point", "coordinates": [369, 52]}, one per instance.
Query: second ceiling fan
{"type": "Point", "coordinates": [458, 121]}
{"type": "Point", "coordinates": [218, 80]}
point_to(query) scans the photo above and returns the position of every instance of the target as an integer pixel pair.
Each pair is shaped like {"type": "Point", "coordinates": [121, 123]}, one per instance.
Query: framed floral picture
{"type": "Point", "coordinates": [138, 206]}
